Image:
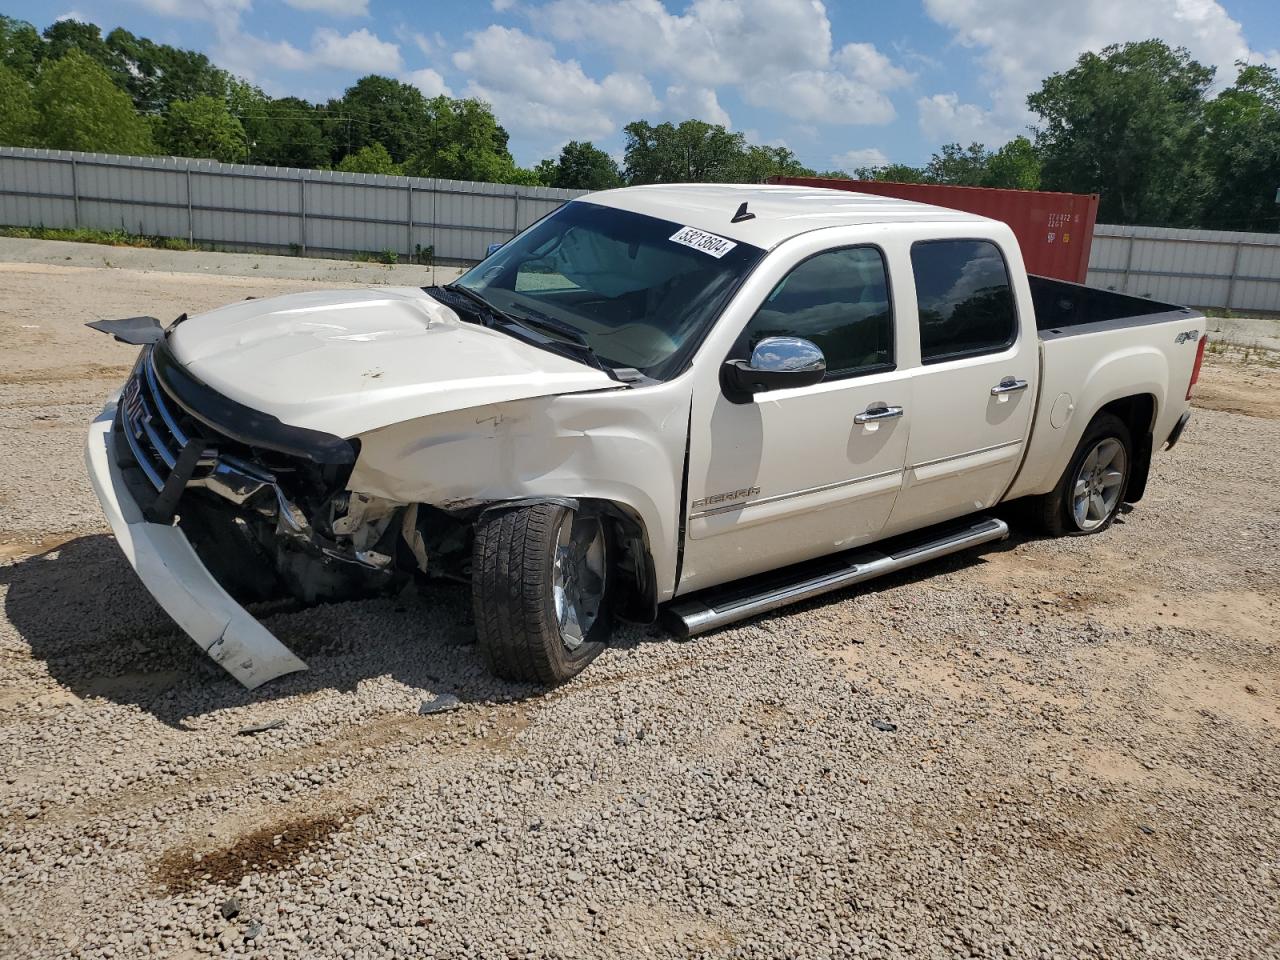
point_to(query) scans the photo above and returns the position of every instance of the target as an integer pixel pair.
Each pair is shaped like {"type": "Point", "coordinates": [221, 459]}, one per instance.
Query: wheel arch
{"type": "Point", "coordinates": [631, 560]}
{"type": "Point", "coordinates": [1138, 412]}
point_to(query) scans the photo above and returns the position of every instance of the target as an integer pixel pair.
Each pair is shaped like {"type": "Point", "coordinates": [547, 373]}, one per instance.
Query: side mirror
{"type": "Point", "coordinates": [776, 363]}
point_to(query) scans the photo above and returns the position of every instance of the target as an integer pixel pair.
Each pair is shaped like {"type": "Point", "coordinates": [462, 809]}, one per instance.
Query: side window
{"type": "Point", "coordinates": [839, 300]}
{"type": "Point", "coordinates": [966, 302]}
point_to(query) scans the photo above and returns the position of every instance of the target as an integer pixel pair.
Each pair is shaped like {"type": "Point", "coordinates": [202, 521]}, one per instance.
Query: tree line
{"type": "Point", "coordinates": [1135, 123]}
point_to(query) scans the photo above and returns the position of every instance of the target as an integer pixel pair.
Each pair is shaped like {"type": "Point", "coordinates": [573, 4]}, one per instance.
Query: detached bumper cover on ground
{"type": "Point", "coordinates": [170, 569]}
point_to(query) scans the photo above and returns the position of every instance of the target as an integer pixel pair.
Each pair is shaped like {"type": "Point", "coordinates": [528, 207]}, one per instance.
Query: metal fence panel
{"type": "Point", "coordinates": [282, 210]}
{"type": "Point", "coordinates": [1216, 269]}
{"type": "Point", "coordinates": [274, 209]}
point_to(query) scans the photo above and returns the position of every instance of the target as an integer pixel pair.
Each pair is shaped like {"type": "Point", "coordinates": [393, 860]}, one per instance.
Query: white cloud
{"type": "Point", "coordinates": [430, 82]}
{"type": "Point", "coordinates": [945, 119]}
{"type": "Point", "coordinates": [246, 55]}
{"type": "Point", "coordinates": [358, 51]}
{"type": "Point", "coordinates": [75, 15]}
{"type": "Point", "coordinates": [428, 45]}
{"type": "Point", "coordinates": [532, 90]}
{"type": "Point", "coordinates": [868, 65]}
{"type": "Point", "coordinates": [334, 8]}
{"type": "Point", "coordinates": [778, 53]}
{"type": "Point", "coordinates": [697, 103]}
{"type": "Point", "coordinates": [821, 96]}
{"type": "Point", "coordinates": [1020, 42]}
{"type": "Point", "coordinates": [851, 160]}
{"type": "Point", "coordinates": [218, 12]}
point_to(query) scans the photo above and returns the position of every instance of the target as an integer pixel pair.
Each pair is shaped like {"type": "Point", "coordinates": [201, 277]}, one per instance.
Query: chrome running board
{"type": "Point", "coordinates": [719, 606]}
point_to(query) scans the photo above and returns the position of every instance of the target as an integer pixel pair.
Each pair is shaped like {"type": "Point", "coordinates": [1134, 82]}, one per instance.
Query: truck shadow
{"type": "Point", "coordinates": [99, 634]}
{"type": "Point", "coordinates": [92, 624]}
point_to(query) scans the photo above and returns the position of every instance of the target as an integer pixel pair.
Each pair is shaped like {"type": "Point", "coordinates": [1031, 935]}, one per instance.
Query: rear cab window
{"type": "Point", "coordinates": [965, 299]}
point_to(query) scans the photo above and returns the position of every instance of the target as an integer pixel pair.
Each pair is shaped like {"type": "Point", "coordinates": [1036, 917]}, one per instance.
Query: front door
{"type": "Point", "coordinates": [973, 392]}
{"type": "Point", "coordinates": [796, 473]}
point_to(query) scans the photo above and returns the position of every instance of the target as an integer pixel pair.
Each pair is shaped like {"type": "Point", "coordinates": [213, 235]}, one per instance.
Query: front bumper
{"type": "Point", "coordinates": [169, 568]}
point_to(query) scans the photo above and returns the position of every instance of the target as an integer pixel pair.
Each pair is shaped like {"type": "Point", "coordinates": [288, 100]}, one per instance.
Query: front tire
{"type": "Point", "coordinates": [1091, 491]}
{"type": "Point", "coordinates": [539, 588]}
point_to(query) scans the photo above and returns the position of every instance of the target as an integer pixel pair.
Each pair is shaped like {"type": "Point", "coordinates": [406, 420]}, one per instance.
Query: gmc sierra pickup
{"type": "Point", "coordinates": [704, 400]}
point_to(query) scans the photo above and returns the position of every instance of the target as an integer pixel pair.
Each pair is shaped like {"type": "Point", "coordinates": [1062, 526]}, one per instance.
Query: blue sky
{"type": "Point", "coordinates": [841, 83]}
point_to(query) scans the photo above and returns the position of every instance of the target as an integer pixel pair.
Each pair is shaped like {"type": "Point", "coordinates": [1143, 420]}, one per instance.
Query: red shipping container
{"type": "Point", "coordinates": [1055, 230]}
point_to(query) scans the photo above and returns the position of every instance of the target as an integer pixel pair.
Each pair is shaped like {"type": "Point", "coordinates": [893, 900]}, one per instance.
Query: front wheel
{"type": "Point", "coordinates": [539, 587]}
{"type": "Point", "coordinates": [1089, 495]}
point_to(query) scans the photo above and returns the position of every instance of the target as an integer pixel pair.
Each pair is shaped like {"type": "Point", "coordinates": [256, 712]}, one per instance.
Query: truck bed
{"type": "Point", "coordinates": [1066, 309]}
{"type": "Point", "coordinates": [1097, 346]}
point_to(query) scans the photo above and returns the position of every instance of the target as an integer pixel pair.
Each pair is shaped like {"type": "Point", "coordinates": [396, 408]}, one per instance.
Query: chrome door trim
{"type": "Point", "coordinates": [967, 453]}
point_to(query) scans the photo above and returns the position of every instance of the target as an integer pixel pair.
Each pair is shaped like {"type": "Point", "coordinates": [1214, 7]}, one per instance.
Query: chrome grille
{"type": "Point", "coordinates": [149, 425]}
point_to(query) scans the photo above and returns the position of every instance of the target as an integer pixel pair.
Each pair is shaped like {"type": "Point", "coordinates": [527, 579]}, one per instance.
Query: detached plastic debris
{"type": "Point", "coordinates": [884, 726]}
{"type": "Point", "coordinates": [260, 728]}
{"type": "Point", "coordinates": [441, 704]}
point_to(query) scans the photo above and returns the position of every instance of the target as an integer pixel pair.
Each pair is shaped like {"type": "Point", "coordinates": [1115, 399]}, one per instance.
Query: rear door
{"type": "Point", "coordinates": [973, 393]}
{"type": "Point", "coordinates": [796, 473]}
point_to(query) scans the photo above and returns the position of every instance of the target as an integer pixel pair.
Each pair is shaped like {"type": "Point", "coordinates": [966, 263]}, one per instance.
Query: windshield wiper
{"type": "Point", "coordinates": [569, 336]}
{"type": "Point", "coordinates": [488, 308]}
{"type": "Point", "coordinates": [535, 318]}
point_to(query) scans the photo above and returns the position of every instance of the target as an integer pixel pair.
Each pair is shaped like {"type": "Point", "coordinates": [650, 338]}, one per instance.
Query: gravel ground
{"type": "Point", "coordinates": [1045, 749]}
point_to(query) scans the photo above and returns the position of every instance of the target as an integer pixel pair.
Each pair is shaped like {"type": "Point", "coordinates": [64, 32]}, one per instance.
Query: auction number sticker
{"type": "Point", "coordinates": [701, 240]}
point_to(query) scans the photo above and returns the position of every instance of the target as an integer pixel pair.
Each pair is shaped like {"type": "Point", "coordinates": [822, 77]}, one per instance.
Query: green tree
{"type": "Point", "coordinates": [81, 109]}
{"type": "Point", "coordinates": [958, 166]}
{"type": "Point", "coordinates": [372, 158]}
{"type": "Point", "coordinates": [1240, 156]}
{"type": "Point", "coordinates": [156, 75]}
{"type": "Point", "coordinates": [892, 173]}
{"type": "Point", "coordinates": [378, 110]}
{"type": "Point", "coordinates": [464, 141]}
{"type": "Point", "coordinates": [546, 172]}
{"type": "Point", "coordinates": [1126, 123]}
{"type": "Point", "coordinates": [1015, 166]}
{"type": "Point", "coordinates": [203, 127]}
{"type": "Point", "coordinates": [282, 133]}
{"type": "Point", "coordinates": [18, 118]}
{"type": "Point", "coordinates": [582, 166]}
{"type": "Point", "coordinates": [64, 36]}
{"type": "Point", "coordinates": [758, 164]}
{"type": "Point", "coordinates": [21, 48]}
{"type": "Point", "coordinates": [693, 152]}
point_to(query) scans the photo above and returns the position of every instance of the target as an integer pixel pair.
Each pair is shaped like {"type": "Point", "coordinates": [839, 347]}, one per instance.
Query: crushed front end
{"type": "Point", "coordinates": [216, 504]}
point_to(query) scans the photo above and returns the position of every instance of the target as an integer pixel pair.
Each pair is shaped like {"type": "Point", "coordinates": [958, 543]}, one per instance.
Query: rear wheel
{"type": "Point", "coordinates": [1089, 495]}
{"type": "Point", "coordinates": [539, 586]}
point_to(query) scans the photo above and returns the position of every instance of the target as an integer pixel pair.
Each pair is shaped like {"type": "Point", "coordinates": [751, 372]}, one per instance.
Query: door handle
{"type": "Point", "coordinates": [1008, 385]}
{"type": "Point", "coordinates": [877, 412]}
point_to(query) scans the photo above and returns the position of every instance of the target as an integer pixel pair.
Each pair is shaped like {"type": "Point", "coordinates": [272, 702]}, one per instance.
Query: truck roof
{"type": "Point", "coordinates": [781, 212]}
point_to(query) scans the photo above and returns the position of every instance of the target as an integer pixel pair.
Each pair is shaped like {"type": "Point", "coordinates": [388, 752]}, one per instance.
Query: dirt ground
{"type": "Point", "coordinates": [1077, 750]}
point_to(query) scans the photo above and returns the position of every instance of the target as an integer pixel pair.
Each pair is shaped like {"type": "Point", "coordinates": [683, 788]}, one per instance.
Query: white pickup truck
{"type": "Point", "coordinates": [704, 400]}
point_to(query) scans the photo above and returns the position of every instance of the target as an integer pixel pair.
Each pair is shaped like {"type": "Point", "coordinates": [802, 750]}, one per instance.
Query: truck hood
{"type": "Point", "coordinates": [350, 361]}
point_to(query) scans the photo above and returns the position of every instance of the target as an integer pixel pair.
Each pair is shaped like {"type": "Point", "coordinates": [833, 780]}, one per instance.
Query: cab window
{"type": "Point", "coordinates": [965, 299]}
{"type": "Point", "coordinates": [839, 300]}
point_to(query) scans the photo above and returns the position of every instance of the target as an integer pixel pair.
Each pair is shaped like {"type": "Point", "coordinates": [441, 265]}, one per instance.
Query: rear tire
{"type": "Point", "coordinates": [1092, 488]}
{"type": "Point", "coordinates": [540, 591]}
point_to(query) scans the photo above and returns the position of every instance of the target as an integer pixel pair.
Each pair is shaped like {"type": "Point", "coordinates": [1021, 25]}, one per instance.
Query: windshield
{"type": "Point", "coordinates": [641, 292]}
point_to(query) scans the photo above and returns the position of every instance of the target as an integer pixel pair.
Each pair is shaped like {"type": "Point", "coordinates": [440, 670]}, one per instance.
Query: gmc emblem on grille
{"type": "Point", "coordinates": [135, 414]}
